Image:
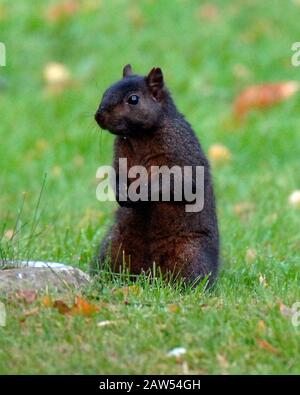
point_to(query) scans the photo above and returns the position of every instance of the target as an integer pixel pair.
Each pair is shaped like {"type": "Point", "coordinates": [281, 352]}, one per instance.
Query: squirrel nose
{"type": "Point", "coordinates": [100, 117]}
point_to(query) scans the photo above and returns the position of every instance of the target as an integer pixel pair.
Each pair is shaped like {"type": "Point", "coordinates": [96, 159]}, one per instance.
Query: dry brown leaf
{"type": "Point", "coordinates": [80, 307]}
{"type": "Point", "coordinates": [27, 296]}
{"type": "Point", "coordinates": [83, 307]}
{"type": "Point", "coordinates": [61, 307]}
{"type": "Point", "coordinates": [204, 306]}
{"type": "Point", "coordinates": [267, 346]}
{"type": "Point", "coordinates": [263, 96]}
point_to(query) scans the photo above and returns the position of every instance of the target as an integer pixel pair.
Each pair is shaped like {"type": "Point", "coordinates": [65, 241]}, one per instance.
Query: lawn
{"type": "Point", "coordinates": [51, 148]}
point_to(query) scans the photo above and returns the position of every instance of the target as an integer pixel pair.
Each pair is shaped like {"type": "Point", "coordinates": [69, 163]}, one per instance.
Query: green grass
{"type": "Point", "coordinates": [56, 135]}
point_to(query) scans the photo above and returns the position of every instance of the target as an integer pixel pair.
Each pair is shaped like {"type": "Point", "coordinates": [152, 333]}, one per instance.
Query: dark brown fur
{"type": "Point", "coordinates": [155, 133]}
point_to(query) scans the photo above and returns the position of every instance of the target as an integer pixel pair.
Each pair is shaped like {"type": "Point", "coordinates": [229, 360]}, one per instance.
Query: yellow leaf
{"type": "Point", "coordinates": [47, 301]}
{"type": "Point", "coordinates": [261, 326]}
{"type": "Point", "coordinates": [173, 308]}
{"type": "Point", "coordinates": [219, 154]}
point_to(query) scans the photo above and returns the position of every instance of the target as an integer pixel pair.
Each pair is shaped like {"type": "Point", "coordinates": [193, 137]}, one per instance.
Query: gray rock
{"type": "Point", "coordinates": [39, 276]}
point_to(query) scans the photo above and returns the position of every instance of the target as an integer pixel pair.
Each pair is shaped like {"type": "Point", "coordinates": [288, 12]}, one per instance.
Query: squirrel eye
{"type": "Point", "coordinates": [133, 99]}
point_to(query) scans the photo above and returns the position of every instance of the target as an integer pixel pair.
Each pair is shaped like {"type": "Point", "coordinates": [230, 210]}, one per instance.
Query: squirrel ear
{"type": "Point", "coordinates": [127, 70]}
{"type": "Point", "coordinates": [155, 81]}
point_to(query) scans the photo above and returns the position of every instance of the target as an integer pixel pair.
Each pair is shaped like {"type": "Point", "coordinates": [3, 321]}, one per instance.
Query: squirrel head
{"type": "Point", "coordinates": [133, 105]}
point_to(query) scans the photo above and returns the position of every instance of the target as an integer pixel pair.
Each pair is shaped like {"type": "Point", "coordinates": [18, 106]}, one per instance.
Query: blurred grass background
{"type": "Point", "coordinates": [209, 51]}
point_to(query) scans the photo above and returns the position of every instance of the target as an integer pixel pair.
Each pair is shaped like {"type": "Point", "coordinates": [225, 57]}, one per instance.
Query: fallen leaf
{"type": "Point", "coordinates": [173, 308]}
{"type": "Point", "coordinates": [83, 307]}
{"type": "Point", "coordinates": [222, 360]}
{"type": "Point", "coordinates": [263, 96]}
{"type": "Point", "coordinates": [261, 326]}
{"type": "Point", "coordinates": [267, 346]}
{"type": "Point", "coordinates": [204, 306]}
{"type": "Point", "coordinates": [61, 307]}
{"type": "Point", "coordinates": [47, 301]}
{"type": "Point", "coordinates": [27, 296]}
{"type": "Point", "coordinates": [219, 154]}
{"type": "Point", "coordinates": [294, 199]}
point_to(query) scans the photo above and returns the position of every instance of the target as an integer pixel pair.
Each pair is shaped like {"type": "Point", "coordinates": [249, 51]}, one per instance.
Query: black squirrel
{"type": "Point", "coordinates": [150, 131]}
